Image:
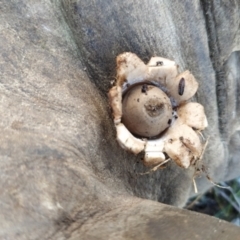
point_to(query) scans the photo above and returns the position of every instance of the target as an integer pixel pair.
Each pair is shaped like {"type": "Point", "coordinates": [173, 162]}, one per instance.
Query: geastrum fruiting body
{"type": "Point", "coordinates": [152, 111]}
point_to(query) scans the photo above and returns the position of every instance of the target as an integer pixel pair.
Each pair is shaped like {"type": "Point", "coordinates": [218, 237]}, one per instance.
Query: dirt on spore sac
{"type": "Point", "coordinates": [154, 107]}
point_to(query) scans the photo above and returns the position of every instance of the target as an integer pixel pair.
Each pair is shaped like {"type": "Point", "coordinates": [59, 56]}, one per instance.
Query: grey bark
{"type": "Point", "coordinates": [63, 176]}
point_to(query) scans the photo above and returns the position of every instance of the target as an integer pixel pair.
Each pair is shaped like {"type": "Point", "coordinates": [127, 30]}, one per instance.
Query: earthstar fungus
{"type": "Point", "coordinates": [152, 111]}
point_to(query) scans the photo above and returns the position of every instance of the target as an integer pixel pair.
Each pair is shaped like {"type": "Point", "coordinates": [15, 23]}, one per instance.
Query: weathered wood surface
{"type": "Point", "coordinates": [62, 174]}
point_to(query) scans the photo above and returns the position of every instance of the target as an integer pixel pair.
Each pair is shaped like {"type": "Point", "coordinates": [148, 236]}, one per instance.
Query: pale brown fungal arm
{"type": "Point", "coordinates": [193, 115]}
{"type": "Point", "coordinates": [128, 141]}
{"type": "Point", "coordinates": [130, 69]}
{"type": "Point", "coordinates": [182, 144]}
{"type": "Point", "coordinates": [180, 93]}
{"type": "Point", "coordinates": [115, 99]}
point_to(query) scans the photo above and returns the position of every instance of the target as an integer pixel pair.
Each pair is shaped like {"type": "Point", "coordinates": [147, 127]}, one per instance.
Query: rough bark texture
{"type": "Point", "coordinates": [63, 176]}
